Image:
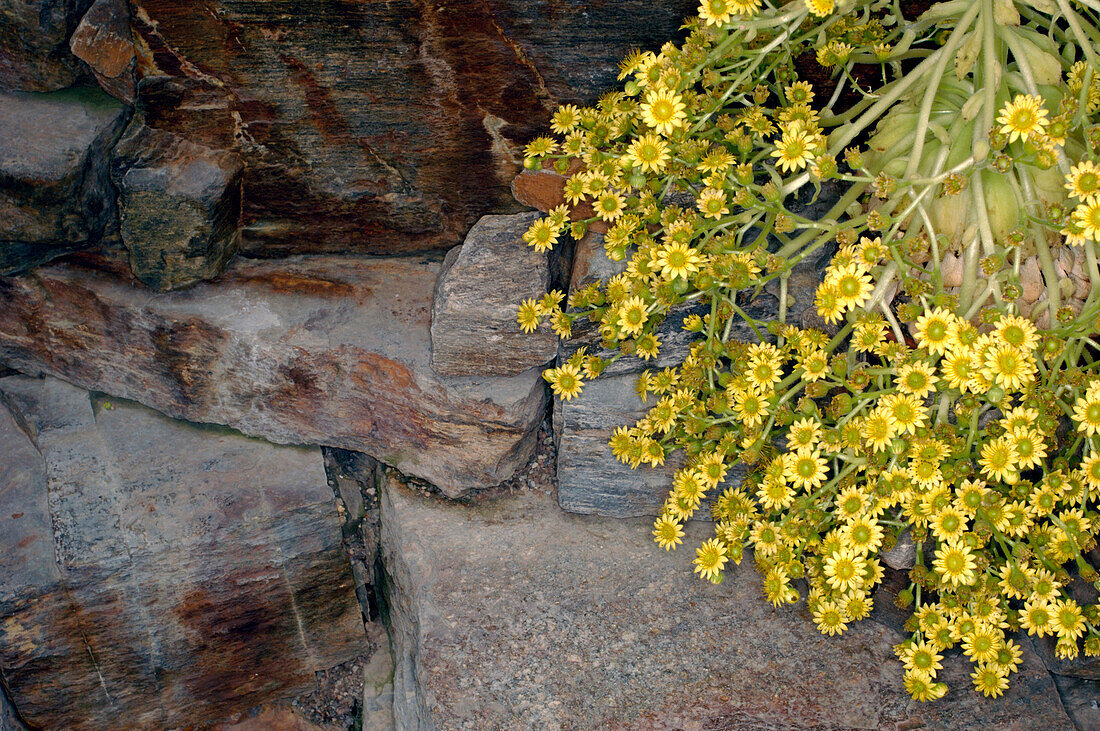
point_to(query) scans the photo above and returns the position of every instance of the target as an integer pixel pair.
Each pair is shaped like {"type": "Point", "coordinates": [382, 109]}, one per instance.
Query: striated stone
{"type": "Point", "coordinates": [34, 44]}
{"type": "Point", "coordinates": [307, 350]}
{"type": "Point", "coordinates": [474, 328]}
{"type": "Point", "coordinates": [366, 126]}
{"type": "Point", "coordinates": [1081, 699]}
{"type": "Point", "coordinates": [179, 206]}
{"type": "Point", "coordinates": [158, 571]}
{"type": "Point", "coordinates": [510, 613]}
{"type": "Point", "coordinates": [543, 190]}
{"type": "Point", "coordinates": [103, 41]}
{"type": "Point", "coordinates": [9, 719]}
{"type": "Point", "coordinates": [55, 192]}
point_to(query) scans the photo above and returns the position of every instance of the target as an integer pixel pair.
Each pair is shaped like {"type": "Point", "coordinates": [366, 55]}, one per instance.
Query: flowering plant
{"type": "Point", "coordinates": [951, 395]}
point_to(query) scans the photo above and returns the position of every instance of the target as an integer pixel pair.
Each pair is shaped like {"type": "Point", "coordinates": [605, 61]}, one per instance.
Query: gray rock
{"type": "Point", "coordinates": [1081, 699]}
{"type": "Point", "coordinates": [327, 350]}
{"type": "Point", "coordinates": [513, 614]}
{"type": "Point", "coordinates": [34, 44]}
{"type": "Point", "coordinates": [474, 328]}
{"type": "Point", "coordinates": [157, 571]}
{"type": "Point", "coordinates": [103, 41]}
{"type": "Point", "coordinates": [1081, 666]}
{"type": "Point", "coordinates": [55, 192]}
{"type": "Point", "coordinates": [9, 719]}
{"type": "Point", "coordinates": [179, 206]}
{"type": "Point", "coordinates": [378, 682]}
{"type": "Point", "coordinates": [903, 556]}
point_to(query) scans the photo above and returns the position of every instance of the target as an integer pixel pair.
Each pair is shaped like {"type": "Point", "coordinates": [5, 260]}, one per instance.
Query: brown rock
{"type": "Point", "coordinates": [542, 189]}
{"type": "Point", "coordinates": [179, 206]}
{"type": "Point", "coordinates": [103, 41]}
{"type": "Point", "coordinates": [34, 44]}
{"type": "Point", "coordinates": [474, 327]}
{"type": "Point", "coordinates": [157, 571]}
{"type": "Point", "coordinates": [512, 614]}
{"type": "Point", "coordinates": [55, 191]}
{"type": "Point", "coordinates": [331, 350]}
{"type": "Point", "coordinates": [366, 126]}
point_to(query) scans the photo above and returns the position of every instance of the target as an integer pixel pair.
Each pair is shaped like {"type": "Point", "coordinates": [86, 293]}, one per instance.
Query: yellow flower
{"type": "Point", "coordinates": [793, 150]}
{"type": "Point", "coordinates": [632, 315]}
{"type": "Point", "coordinates": [921, 657]}
{"type": "Point", "coordinates": [649, 152]}
{"type": "Point", "coordinates": [1030, 447]}
{"type": "Point", "coordinates": [934, 330]}
{"type": "Point", "coordinates": [907, 411]}
{"type": "Point", "coordinates": [804, 433]}
{"type": "Point", "coordinates": [828, 304]}
{"type": "Point", "coordinates": [1018, 332]}
{"type": "Point", "coordinates": [852, 283]}
{"type": "Point", "coordinates": [528, 315]}
{"type": "Point", "coordinates": [922, 688]}
{"type": "Point", "coordinates": [749, 407]}
{"type": "Point", "coordinates": [815, 365]}
{"type": "Point", "coordinates": [542, 235]}
{"type": "Point", "coordinates": [663, 110]}
{"type": "Point", "coordinates": [566, 119]}
{"type": "Point", "coordinates": [775, 494]}
{"type": "Point", "coordinates": [1009, 367]}
{"type": "Point", "coordinates": [1066, 619]}
{"type": "Point", "coordinates": [712, 203]}
{"type": "Point", "coordinates": [820, 7]}
{"type": "Point", "coordinates": [982, 643]}
{"type": "Point", "coordinates": [667, 532]}
{"type": "Point", "coordinates": [1086, 412]}
{"type": "Point", "coordinates": [949, 524]}
{"type": "Point", "coordinates": [867, 337]}
{"type": "Point", "coordinates": [1023, 118]}
{"type": "Point", "coordinates": [806, 469]}
{"type": "Point", "coordinates": [999, 460]}
{"type": "Point", "coordinates": [957, 368]}
{"type": "Point", "coordinates": [990, 680]}
{"type": "Point", "coordinates": [609, 205]}
{"type": "Point", "coordinates": [710, 558]}
{"type": "Point", "coordinates": [647, 346]}
{"type": "Point", "coordinates": [677, 260]}
{"type": "Point", "coordinates": [955, 564]}
{"type": "Point", "coordinates": [863, 533]}
{"type": "Point", "coordinates": [1083, 181]}
{"type": "Point", "coordinates": [830, 618]}
{"type": "Point", "coordinates": [1087, 218]}
{"type": "Point", "coordinates": [1036, 617]}
{"type": "Point", "coordinates": [878, 429]}
{"type": "Point", "coordinates": [716, 12]}
{"type": "Point", "coordinates": [763, 374]}
{"type": "Point", "coordinates": [566, 381]}
{"type": "Point", "coordinates": [916, 379]}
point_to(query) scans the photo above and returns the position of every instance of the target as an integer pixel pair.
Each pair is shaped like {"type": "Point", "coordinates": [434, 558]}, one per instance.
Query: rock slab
{"type": "Point", "coordinates": [34, 44]}
{"type": "Point", "coordinates": [157, 571]}
{"type": "Point", "coordinates": [55, 191]}
{"type": "Point", "coordinates": [103, 41]}
{"type": "Point", "coordinates": [306, 350]}
{"type": "Point", "coordinates": [179, 206]}
{"type": "Point", "coordinates": [474, 327]}
{"type": "Point", "coordinates": [511, 613]}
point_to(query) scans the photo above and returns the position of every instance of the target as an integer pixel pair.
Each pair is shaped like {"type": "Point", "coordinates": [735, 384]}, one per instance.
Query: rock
{"type": "Point", "coordinates": [55, 193]}
{"type": "Point", "coordinates": [590, 479]}
{"type": "Point", "coordinates": [9, 720]}
{"type": "Point", "coordinates": [179, 207]}
{"type": "Point", "coordinates": [543, 190]}
{"type": "Point", "coordinates": [103, 41]}
{"type": "Point", "coordinates": [512, 614]}
{"type": "Point", "coordinates": [903, 556]}
{"type": "Point", "coordinates": [378, 128]}
{"type": "Point", "coordinates": [355, 476]}
{"type": "Point", "coordinates": [159, 571]}
{"type": "Point", "coordinates": [1081, 666]}
{"type": "Point", "coordinates": [378, 682]}
{"type": "Point", "coordinates": [306, 350]}
{"type": "Point", "coordinates": [274, 717]}
{"type": "Point", "coordinates": [1081, 699]}
{"type": "Point", "coordinates": [474, 328]}
{"type": "Point", "coordinates": [34, 44]}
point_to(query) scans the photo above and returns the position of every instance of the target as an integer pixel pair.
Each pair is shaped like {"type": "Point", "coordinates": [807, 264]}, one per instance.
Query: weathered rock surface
{"type": "Point", "coordinates": [1081, 699]}
{"type": "Point", "coordinates": [590, 479]}
{"type": "Point", "coordinates": [543, 189]}
{"type": "Point", "coordinates": [474, 328]}
{"type": "Point", "coordinates": [55, 192]}
{"type": "Point", "coordinates": [103, 41]}
{"type": "Point", "coordinates": [34, 44]}
{"type": "Point", "coordinates": [512, 613]}
{"type": "Point", "coordinates": [366, 126]}
{"type": "Point", "coordinates": [308, 350]}
{"type": "Point", "coordinates": [157, 571]}
{"type": "Point", "coordinates": [9, 721]}
{"type": "Point", "coordinates": [179, 206]}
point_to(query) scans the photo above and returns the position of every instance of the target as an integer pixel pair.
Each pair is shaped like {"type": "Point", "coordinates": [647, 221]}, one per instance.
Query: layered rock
{"type": "Point", "coordinates": [55, 190]}
{"type": "Point", "coordinates": [474, 327]}
{"type": "Point", "coordinates": [307, 350]}
{"type": "Point", "coordinates": [368, 126]}
{"type": "Point", "coordinates": [179, 206]}
{"type": "Point", "coordinates": [103, 41]}
{"type": "Point", "coordinates": [34, 44]}
{"type": "Point", "coordinates": [156, 571]}
{"type": "Point", "coordinates": [512, 613]}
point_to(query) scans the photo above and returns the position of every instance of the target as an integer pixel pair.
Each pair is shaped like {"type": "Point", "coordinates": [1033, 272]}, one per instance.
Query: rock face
{"type": "Point", "coordinates": [158, 571]}
{"type": "Point", "coordinates": [179, 207]}
{"type": "Point", "coordinates": [34, 44]}
{"type": "Point", "coordinates": [367, 126]}
{"type": "Point", "coordinates": [514, 614]}
{"type": "Point", "coordinates": [309, 350]}
{"type": "Point", "coordinates": [55, 192]}
{"type": "Point", "coordinates": [474, 328]}
{"type": "Point", "coordinates": [103, 41]}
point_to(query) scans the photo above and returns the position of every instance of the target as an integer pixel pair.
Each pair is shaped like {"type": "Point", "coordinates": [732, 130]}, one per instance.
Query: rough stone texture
{"type": "Point", "coordinates": [307, 350]}
{"type": "Point", "coordinates": [55, 192]}
{"type": "Point", "coordinates": [9, 721]}
{"type": "Point", "coordinates": [34, 44]}
{"type": "Point", "coordinates": [474, 328]}
{"type": "Point", "coordinates": [355, 478]}
{"type": "Point", "coordinates": [367, 126]}
{"type": "Point", "coordinates": [179, 206]}
{"type": "Point", "coordinates": [512, 614]}
{"type": "Point", "coordinates": [1081, 666]}
{"type": "Point", "coordinates": [157, 571]}
{"type": "Point", "coordinates": [543, 189]}
{"type": "Point", "coordinates": [1081, 699]}
{"type": "Point", "coordinates": [590, 479]}
{"type": "Point", "coordinates": [103, 41]}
